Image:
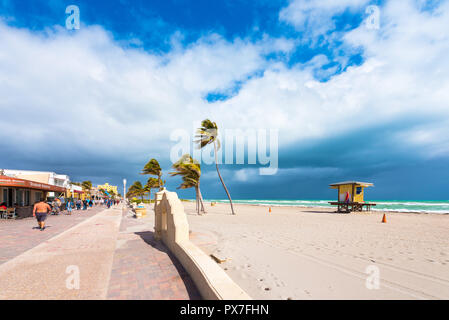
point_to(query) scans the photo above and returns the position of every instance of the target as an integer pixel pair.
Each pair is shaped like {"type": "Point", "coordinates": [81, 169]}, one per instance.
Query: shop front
{"type": "Point", "coordinates": [22, 194]}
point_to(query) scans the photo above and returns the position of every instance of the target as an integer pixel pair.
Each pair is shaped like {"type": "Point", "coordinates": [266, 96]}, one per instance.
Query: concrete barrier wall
{"type": "Point", "coordinates": [172, 228]}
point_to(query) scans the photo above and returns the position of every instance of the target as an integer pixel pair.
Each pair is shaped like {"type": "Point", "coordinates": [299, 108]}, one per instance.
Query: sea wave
{"type": "Point", "coordinates": [439, 207]}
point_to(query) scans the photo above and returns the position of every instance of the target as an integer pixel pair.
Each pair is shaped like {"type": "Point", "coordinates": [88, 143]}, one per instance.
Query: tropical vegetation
{"type": "Point", "coordinates": [208, 134]}
{"type": "Point", "coordinates": [190, 171]}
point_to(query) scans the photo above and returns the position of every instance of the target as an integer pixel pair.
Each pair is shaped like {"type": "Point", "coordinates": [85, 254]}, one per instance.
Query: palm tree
{"type": "Point", "coordinates": [152, 183]}
{"type": "Point", "coordinates": [136, 190]}
{"type": "Point", "coordinates": [153, 168]}
{"type": "Point", "coordinates": [112, 194]}
{"type": "Point", "coordinates": [190, 170]}
{"type": "Point", "coordinates": [87, 186]}
{"type": "Point", "coordinates": [208, 134]}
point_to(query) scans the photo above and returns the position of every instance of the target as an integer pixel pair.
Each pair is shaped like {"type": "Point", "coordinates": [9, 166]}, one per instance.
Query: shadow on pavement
{"type": "Point", "coordinates": [148, 237]}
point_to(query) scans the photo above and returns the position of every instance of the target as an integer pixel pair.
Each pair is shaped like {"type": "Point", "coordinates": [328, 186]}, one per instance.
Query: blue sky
{"type": "Point", "coordinates": [350, 102]}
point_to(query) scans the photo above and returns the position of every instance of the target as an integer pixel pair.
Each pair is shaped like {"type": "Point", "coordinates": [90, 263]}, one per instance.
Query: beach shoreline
{"type": "Point", "coordinates": [374, 209]}
{"type": "Point", "coordinates": [315, 253]}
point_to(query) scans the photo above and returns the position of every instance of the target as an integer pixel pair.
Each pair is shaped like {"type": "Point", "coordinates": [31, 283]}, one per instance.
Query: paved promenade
{"type": "Point", "coordinates": [18, 236]}
{"type": "Point", "coordinates": [143, 268]}
{"type": "Point", "coordinates": [99, 254]}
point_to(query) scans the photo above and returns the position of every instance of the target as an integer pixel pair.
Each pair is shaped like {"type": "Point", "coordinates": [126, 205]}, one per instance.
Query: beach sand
{"type": "Point", "coordinates": [314, 253]}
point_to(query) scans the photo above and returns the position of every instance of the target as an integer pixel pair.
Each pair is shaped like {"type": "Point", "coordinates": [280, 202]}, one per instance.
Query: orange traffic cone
{"type": "Point", "coordinates": [384, 219]}
{"type": "Point", "coordinates": [269, 210]}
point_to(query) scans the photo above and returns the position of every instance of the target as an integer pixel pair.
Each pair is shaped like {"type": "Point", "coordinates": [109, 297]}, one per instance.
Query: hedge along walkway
{"type": "Point", "coordinates": [113, 261]}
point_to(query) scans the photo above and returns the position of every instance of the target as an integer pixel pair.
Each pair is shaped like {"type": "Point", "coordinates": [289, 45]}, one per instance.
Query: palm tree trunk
{"type": "Point", "coordinates": [201, 198]}
{"type": "Point", "coordinates": [200, 207]}
{"type": "Point", "coordinates": [221, 179]}
{"type": "Point", "coordinates": [197, 202]}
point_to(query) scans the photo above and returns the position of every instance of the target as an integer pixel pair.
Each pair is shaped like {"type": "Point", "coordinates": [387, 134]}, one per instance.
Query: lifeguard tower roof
{"type": "Point", "coordinates": [358, 183]}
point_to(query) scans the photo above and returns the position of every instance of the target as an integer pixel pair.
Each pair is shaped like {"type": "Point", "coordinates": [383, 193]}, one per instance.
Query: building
{"type": "Point", "coordinates": [350, 196]}
{"type": "Point", "coordinates": [75, 192]}
{"type": "Point", "coordinates": [51, 178]}
{"type": "Point", "coordinates": [355, 189]}
{"type": "Point", "coordinates": [108, 188]}
{"type": "Point", "coordinates": [23, 194]}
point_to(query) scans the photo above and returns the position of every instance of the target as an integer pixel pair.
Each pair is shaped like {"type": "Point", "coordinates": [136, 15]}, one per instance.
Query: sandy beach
{"type": "Point", "coordinates": [314, 253]}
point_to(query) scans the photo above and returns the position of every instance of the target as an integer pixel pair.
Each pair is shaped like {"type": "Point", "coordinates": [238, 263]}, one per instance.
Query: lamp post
{"type": "Point", "coordinates": [124, 189]}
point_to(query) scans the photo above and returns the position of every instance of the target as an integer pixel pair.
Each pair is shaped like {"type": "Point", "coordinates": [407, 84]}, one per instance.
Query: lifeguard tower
{"type": "Point", "coordinates": [350, 196]}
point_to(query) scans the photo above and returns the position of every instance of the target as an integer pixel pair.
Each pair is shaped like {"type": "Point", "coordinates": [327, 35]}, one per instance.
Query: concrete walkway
{"type": "Point", "coordinates": [144, 269]}
{"type": "Point", "coordinates": [18, 236]}
{"type": "Point", "coordinates": [99, 258]}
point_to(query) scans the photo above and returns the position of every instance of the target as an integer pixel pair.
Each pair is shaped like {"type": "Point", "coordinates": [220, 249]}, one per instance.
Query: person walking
{"type": "Point", "coordinates": [84, 204]}
{"type": "Point", "coordinates": [40, 211]}
{"type": "Point", "coordinates": [69, 206]}
{"type": "Point", "coordinates": [91, 203]}
{"type": "Point", "coordinates": [78, 204]}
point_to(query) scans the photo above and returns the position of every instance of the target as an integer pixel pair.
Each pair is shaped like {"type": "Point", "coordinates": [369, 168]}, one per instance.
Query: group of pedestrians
{"type": "Point", "coordinates": [111, 202]}
{"type": "Point", "coordinates": [42, 209]}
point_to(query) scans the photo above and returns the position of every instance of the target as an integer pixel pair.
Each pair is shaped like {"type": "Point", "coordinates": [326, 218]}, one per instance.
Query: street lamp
{"type": "Point", "coordinates": [124, 189]}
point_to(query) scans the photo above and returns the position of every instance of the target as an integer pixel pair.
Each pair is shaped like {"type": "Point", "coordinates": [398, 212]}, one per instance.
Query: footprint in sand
{"type": "Point", "coordinates": [280, 284]}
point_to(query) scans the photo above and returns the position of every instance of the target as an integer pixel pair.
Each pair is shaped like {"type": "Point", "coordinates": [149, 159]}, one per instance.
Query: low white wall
{"type": "Point", "coordinates": [171, 226]}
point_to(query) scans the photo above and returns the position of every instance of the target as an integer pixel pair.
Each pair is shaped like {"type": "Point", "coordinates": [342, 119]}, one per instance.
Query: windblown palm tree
{"type": "Point", "coordinates": [152, 183]}
{"type": "Point", "coordinates": [208, 134]}
{"type": "Point", "coordinates": [87, 186]}
{"type": "Point", "coordinates": [190, 171]}
{"type": "Point", "coordinates": [136, 190]}
{"type": "Point", "coordinates": [153, 168]}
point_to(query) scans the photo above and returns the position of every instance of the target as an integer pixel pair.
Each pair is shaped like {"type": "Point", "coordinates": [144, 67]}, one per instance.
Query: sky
{"type": "Point", "coordinates": [356, 89]}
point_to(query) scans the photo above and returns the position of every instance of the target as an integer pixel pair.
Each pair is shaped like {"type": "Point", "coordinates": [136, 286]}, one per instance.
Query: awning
{"type": "Point", "coordinates": [6, 181]}
{"type": "Point", "coordinates": [76, 191]}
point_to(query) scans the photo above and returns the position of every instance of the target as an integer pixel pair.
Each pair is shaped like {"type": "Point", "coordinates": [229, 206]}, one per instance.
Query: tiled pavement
{"type": "Point", "coordinates": [143, 269]}
{"type": "Point", "coordinates": [18, 236]}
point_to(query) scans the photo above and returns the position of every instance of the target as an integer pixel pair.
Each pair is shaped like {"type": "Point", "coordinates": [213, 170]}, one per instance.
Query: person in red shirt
{"type": "Point", "coordinates": [3, 206]}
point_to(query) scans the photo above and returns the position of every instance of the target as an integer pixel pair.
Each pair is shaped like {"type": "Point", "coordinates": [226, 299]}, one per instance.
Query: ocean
{"type": "Point", "coordinates": [440, 207]}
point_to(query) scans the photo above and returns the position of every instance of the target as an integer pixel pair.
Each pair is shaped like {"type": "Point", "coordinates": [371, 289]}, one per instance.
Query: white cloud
{"type": "Point", "coordinates": [317, 16]}
{"type": "Point", "coordinates": [85, 92]}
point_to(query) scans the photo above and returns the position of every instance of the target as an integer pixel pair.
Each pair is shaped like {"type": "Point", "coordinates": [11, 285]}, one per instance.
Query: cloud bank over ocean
{"type": "Point", "coordinates": [86, 99]}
